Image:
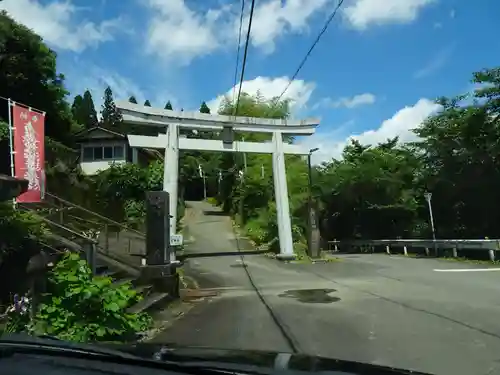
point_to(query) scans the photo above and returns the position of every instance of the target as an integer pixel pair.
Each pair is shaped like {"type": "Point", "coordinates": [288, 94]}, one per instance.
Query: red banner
{"type": "Point", "coordinates": [29, 151]}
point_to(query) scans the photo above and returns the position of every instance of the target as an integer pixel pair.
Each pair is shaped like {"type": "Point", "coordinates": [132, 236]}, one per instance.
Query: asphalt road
{"type": "Point", "coordinates": [387, 310]}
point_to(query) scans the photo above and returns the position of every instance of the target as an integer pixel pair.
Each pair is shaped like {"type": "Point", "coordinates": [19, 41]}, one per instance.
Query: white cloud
{"type": "Point", "coordinates": [57, 24]}
{"type": "Point", "coordinates": [179, 33]}
{"type": "Point", "coordinates": [176, 31]}
{"type": "Point", "coordinates": [299, 91]}
{"type": "Point", "coordinates": [436, 63]}
{"type": "Point", "coordinates": [275, 18]}
{"type": "Point", "coordinates": [96, 79]}
{"type": "Point", "coordinates": [364, 13]}
{"type": "Point", "coordinates": [400, 124]}
{"type": "Point", "coordinates": [352, 102]}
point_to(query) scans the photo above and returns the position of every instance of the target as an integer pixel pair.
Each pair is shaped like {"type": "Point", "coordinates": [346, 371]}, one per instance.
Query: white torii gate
{"type": "Point", "coordinates": [172, 143]}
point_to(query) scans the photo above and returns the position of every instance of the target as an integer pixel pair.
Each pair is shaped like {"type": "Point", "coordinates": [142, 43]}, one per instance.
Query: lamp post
{"type": "Point", "coordinates": [312, 225]}
{"type": "Point", "coordinates": [428, 198]}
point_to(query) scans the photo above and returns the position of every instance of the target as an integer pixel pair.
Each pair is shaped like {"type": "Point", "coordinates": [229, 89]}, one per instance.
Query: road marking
{"type": "Point", "coordinates": [468, 270]}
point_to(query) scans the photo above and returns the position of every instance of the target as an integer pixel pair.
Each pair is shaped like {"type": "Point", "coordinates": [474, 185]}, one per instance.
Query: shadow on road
{"type": "Point", "coordinates": [214, 213]}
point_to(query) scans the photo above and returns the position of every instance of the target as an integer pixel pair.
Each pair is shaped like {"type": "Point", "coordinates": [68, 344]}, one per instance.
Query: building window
{"type": "Point", "coordinates": [108, 152]}
{"type": "Point", "coordinates": [118, 152]}
{"type": "Point", "coordinates": [88, 154]}
{"type": "Point", "coordinates": [96, 153]}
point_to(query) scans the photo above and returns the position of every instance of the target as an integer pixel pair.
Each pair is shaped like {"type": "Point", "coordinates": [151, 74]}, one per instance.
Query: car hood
{"type": "Point", "coordinates": [255, 361]}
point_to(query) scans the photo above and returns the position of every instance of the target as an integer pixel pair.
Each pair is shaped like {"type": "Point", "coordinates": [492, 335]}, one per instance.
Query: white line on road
{"type": "Point", "coordinates": [468, 270]}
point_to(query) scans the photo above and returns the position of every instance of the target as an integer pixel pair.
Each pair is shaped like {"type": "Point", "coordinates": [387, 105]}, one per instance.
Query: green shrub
{"type": "Point", "coordinates": [85, 308]}
{"type": "Point", "coordinates": [212, 201]}
{"type": "Point", "coordinates": [135, 212]}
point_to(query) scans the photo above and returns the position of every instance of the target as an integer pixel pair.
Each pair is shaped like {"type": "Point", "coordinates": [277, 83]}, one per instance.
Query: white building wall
{"type": "Point", "coordinates": [93, 167]}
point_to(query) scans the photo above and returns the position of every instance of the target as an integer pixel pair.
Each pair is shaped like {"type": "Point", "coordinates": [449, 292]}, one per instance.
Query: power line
{"type": "Point", "coordinates": [243, 65]}
{"type": "Point", "coordinates": [238, 49]}
{"type": "Point", "coordinates": [323, 30]}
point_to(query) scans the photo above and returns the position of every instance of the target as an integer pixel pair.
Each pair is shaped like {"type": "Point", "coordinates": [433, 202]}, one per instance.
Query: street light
{"type": "Point", "coordinates": [312, 213]}
{"type": "Point", "coordinates": [428, 198]}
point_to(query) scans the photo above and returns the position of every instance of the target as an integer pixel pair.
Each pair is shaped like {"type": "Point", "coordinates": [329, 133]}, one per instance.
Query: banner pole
{"type": "Point", "coordinates": [11, 145]}
{"type": "Point", "coordinates": [11, 140]}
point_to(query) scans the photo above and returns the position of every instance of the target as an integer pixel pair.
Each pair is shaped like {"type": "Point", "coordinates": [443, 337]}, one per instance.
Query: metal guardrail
{"type": "Point", "coordinates": [437, 247]}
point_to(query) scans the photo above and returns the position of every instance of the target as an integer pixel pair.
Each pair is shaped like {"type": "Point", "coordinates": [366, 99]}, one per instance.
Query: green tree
{"type": "Point", "coordinates": [28, 75]}
{"type": "Point", "coordinates": [78, 111]}
{"type": "Point", "coordinates": [83, 110]}
{"type": "Point", "coordinates": [372, 192]}
{"type": "Point", "coordinates": [147, 103]}
{"type": "Point", "coordinates": [111, 117]}
{"type": "Point", "coordinates": [89, 108]}
{"type": "Point", "coordinates": [460, 147]}
{"type": "Point", "coordinates": [168, 105]}
{"type": "Point", "coordinates": [204, 108]}
{"type": "Point", "coordinates": [132, 99]}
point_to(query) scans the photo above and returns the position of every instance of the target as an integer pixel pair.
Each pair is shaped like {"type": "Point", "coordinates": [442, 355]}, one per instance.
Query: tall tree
{"type": "Point", "coordinates": [132, 99]}
{"type": "Point", "coordinates": [147, 103]}
{"type": "Point", "coordinates": [89, 108]}
{"type": "Point", "coordinates": [204, 108]}
{"type": "Point", "coordinates": [28, 74]}
{"type": "Point", "coordinates": [168, 105]}
{"type": "Point", "coordinates": [83, 110]}
{"type": "Point", "coordinates": [111, 117]}
{"type": "Point", "coordinates": [77, 110]}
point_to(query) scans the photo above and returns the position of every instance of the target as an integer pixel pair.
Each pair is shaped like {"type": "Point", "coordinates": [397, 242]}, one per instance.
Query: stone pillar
{"type": "Point", "coordinates": [281, 194]}
{"type": "Point", "coordinates": [158, 270]}
{"type": "Point", "coordinates": [157, 228]}
{"type": "Point", "coordinates": [171, 176]}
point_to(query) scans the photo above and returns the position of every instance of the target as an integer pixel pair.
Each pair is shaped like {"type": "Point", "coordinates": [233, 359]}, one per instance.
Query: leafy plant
{"type": "Point", "coordinates": [81, 307]}
{"type": "Point", "coordinates": [17, 315]}
{"type": "Point", "coordinates": [135, 212]}
{"type": "Point", "coordinates": [16, 226]}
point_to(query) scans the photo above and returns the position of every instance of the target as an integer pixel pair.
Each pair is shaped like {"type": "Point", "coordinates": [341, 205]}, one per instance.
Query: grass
{"type": "Point", "coordinates": [305, 259]}
{"type": "Point", "coordinates": [471, 261]}
{"type": "Point", "coordinates": [453, 259]}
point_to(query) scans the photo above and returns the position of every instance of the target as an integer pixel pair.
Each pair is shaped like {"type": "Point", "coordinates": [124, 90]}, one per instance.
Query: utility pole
{"type": "Point", "coordinates": [219, 181]}
{"type": "Point", "coordinates": [428, 198]}
{"type": "Point", "coordinates": [241, 205]}
{"type": "Point", "coordinates": [202, 175]}
{"type": "Point", "coordinates": [244, 158]}
{"type": "Point", "coordinates": [204, 186]}
{"type": "Point", "coordinates": [313, 246]}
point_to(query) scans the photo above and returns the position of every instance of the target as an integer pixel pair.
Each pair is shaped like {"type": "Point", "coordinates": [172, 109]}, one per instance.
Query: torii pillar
{"type": "Point", "coordinates": [171, 176]}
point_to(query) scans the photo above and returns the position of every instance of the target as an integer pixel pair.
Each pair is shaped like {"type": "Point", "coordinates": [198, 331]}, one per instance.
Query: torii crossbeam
{"type": "Point", "coordinates": [172, 143]}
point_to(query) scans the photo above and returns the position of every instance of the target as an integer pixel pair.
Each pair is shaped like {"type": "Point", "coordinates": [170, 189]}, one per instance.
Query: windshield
{"type": "Point", "coordinates": [265, 176]}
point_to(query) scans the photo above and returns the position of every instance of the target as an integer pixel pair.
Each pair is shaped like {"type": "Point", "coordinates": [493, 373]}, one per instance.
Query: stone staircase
{"type": "Point", "coordinates": [119, 249]}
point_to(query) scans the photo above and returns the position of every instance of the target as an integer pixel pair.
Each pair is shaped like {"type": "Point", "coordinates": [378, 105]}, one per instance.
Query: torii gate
{"type": "Point", "coordinates": [173, 120]}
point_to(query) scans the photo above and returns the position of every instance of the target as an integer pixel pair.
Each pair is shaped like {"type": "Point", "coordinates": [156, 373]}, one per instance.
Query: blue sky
{"type": "Point", "coordinates": [373, 75]}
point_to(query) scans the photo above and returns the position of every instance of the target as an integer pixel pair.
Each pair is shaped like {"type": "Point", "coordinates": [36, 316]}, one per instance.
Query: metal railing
{"type": "Point", "coordinates": [73, 222]}
{"type": "Point", "coordinates": [473, 249]}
